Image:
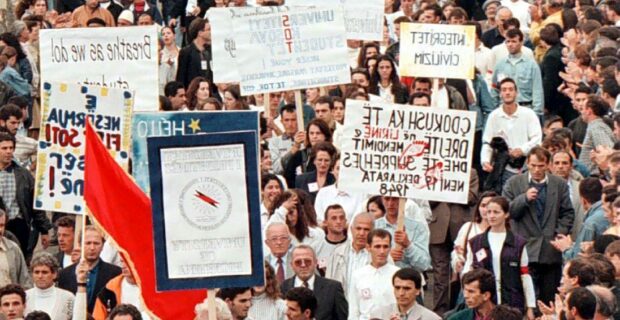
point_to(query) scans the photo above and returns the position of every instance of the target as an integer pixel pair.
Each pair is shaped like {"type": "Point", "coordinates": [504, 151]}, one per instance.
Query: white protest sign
{"type": "Point", "coordinates": [363, 18]}
{"type": "Point", "coordinates": [437, 50]}
{"type": "Point", "coordinates": [60, 159]}
{"type": "Point", "coordinates": [223, 48]}
{"type": "Point", "coordinates": [408, 152]}
{"type": "Point", "coordinates": [124, 58]}
{"type": "Point", "coordinates": [298, 49]}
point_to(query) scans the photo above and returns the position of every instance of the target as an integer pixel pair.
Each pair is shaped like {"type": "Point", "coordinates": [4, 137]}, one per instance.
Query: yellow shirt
{"type": "Point", "coordinates": [535, 28]}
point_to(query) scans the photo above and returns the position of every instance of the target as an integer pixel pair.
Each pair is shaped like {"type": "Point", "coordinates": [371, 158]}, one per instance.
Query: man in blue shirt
{"type": "Point", "coordinates": [524, 70]}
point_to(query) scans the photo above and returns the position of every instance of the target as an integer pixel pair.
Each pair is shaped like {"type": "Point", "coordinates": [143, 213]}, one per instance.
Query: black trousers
{"type": "Point", "coordinates": [546, 278]}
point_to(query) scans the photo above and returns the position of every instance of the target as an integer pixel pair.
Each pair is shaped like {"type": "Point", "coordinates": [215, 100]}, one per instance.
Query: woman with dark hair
{"type": "Point", "coordinates": [168, 59]}
{"type": "Point", "coordinates": [316, 131]}
{"type": "Point", "coordinates": [323, 154]}
{"type": "Point", "coordinates": [271, 188]}
{"type": "Point", "coordinates": [289, 209]}
{"type": "Point", "coordinates": [198, 91]}
{"type": "Point", "coordinates": [375, 206]}
{"type": "Point", "coordinates": [22, 64]}
{"type": "Point", "coordinates": [9, 75]}
{"type": "Point", "coordinates": [469, 230]}
{"type": "Point", "coordinates": [267, 302]}
{"type": "Point", "coordinates": [371, 65]}
{"type": "Point", "coordinates": [385, 83]}
{"type": "Point", "coordinates": [233, 99]}
{"type": "Point", "coordinates": [569, 19]}
{"type": "Point", "coordinates": [504, 253]}
{"type": "Point", "coordinates": [368, 50]}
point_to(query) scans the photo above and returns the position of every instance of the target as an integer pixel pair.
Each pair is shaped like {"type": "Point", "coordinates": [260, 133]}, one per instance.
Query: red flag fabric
{"type": "Point", "coordinates": [122, 209]}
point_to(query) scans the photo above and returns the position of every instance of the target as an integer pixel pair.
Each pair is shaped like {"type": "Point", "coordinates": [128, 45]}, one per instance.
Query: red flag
{"type": "Point", "coordinates": [124, 212]}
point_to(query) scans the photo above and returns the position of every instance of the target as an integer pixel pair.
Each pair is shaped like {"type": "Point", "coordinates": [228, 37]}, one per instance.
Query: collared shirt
{"type": "Point", "coordinates": [5, 275]}
{"type": "Point", "coordinates": [526, 73]}
{"type": "Point", "coordinates": [371, 292]}
{"type": "Point", "coordinates": [416, 255]}
{"type": "Point", "coordinates": [92, 280]}
{"type": "Point", "coordinates": [500, 52]}
{"type": "Point", "coordinates": [300, 283]}
{"type": "Point", "coordinates": [386, 93]}
{"type": "Point", "coordinates": [530, 180]}
{"type": "Point", "coordinates": [273, 262]}
{"type": "Point", "coordinates": [594, 225]}
{"type": "Point", "coordinates": [520, 130]}
{"type": "Point", "coordinates": [8, 191]}
{"type": "Point", "coordinates": [352, 203]}
{"type": "Point", "coordinates": [279, 146]}
{"type": "Point", "coordinates": [597, 134]}
{"type": "Point", "coordinates": [357, 260]}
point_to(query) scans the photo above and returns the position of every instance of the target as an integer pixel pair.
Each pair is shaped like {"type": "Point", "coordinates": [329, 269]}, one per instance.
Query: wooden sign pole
{"type": "Point", "coordinates": [211, 308]}
{"type": "Point", "coordinates": [299, 106]}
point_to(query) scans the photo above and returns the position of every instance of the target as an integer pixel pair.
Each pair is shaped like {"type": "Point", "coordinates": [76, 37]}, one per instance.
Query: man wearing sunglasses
{"type": "Point", "coordinates": [331, 302]}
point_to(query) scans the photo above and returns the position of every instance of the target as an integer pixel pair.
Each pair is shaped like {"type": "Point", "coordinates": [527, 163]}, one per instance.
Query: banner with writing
{"type": "Point", "coordinates": [437, 50]}
{"type": "Point", "coordinates": [363, 18]}
{"type": "Point", "coordinates": [123, 58]}
{"type": "Point", "coordinates": [408, 152]}
{"type": "Point", "coordinates": [291, 50]}
{"type": "Point", "coordinates": [60, 159]}
{"type": "Point", "coordinates": [206, 210]}
{"type": "Point", "coordinates": [158, 124]}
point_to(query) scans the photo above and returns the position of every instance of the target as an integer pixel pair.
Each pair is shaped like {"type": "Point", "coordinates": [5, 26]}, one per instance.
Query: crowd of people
{"type": "Point", "coordinates": [539, 237]}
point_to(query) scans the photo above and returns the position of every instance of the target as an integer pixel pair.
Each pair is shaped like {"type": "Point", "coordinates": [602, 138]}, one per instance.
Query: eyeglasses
{"type": "Point", "coordinates": [302, 262]}
{"type": "Point", "coordinates": [278, 239]}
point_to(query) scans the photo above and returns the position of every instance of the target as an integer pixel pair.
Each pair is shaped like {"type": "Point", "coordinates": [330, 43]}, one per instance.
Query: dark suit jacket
{"type": "Point", "coordinates": [60, 256]}
{"type": "Point", "coordinates": [302, 182]}
{"type": "Point", "coordinates": [557, 218]}
{"type": "Point", "coordinates": [67, 281]}
{"type": "Point", "coordinates": [550, 68]}
{"type": "Point", "coordinates": [331, 303]}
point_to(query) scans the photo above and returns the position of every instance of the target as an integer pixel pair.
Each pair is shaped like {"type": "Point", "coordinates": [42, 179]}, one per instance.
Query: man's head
{"type": "Point", "coordinates": [605, 302]}
{"type": "Point", "coordinates": [420, 99]}
{"type": "Point", "coordinates": [175, 92]}
{"type": "Point", "coordinates": [125, 312]}
{"type": "Point", "coordinates": [612, 252]}
{"type": "Point", "coordinates": [323, 109]}
{"type": "Point", "coordinates": [422, 85]}
{"type": "Point", "coordinates": [562, 164]}
{"type": "Point", "coordinates": [538, 163]}
{"type": "Point", "coordinates": [407, 284]}
{"type": "Point", "coordinates": [288, 116]}
{"type": "Point", "coordinates": [458, 16]}
{"type": "Point", "coordinates": [44, 269]}
{"type": "Point", "coordinates": [478, 288]}
{"type": "Point", "coordinates": [303, 261]}
{"type": "Point", "coordinates": [362, 224]}
{"type": "Point", "coordinates": [10, 117]}
{"type": "Point", "coordinates": [65, 233]}
{"type": "Point", "coordinates": [508, 91]}
{"type": "Point", "coordinates": [594, 108]}
{"type": "Point", "coordinates": [145, 19]}
{"type": "Point", "coordinates": [431, 14]}
{"type": "Point", "coordinates": [379, 245]}
{"type": "Point", "coordinates": [504, 312]}
{"type": "Point", "coordinates": [95, 23]}
{"type": "Point", "coordinates": [7, 149]}
{"type": "Point", "coordinates": [581, 97]}
{"type": "Point", "coordinates": [93, 243]}
{"type": "Point", "coordinates": [335, 219]}
{"type": "Point", "coordinates": [239, 301]}
{"type": "Point", "coordinates": [590, 190]}
{"type": "Point", "coordinates": [278, 239]}
{"type": "Point", "coordinates": [502, 15]}
{"type": "Point", "coordinates": [391, 205]}
{"type": "Point", "coordinates": [12, 301]}
{"type": "Point", "coordinates": [200, 29]}
{"type": "Point", "coordinates": [514, 41]}
{"type": "Point", "coordinates": [300, 304]}
{"type": "Point", "coordinates": [576, 273]}
{"type": "Point", "coordinates": [580, 304]}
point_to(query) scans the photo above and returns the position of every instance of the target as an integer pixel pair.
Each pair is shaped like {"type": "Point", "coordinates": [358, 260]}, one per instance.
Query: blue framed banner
{"type": "Point", "coordinates": [160, 124]}
{"type": "Point", "coordinates": [206, 210]}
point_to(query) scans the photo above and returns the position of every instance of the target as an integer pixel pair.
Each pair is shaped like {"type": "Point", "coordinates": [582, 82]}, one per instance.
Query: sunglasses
{"type": "Point", "coordinates": [302, 262]}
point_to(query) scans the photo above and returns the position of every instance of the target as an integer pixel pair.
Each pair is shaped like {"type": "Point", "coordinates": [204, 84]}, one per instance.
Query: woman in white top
{"type": "Point", "coordinates": [469, 230]}
{"type": "Point", "coordinates": [168, 62]}
{"type": "Point", "coordinates": [266, 301]}
{"type": "Point", "coordinates": [44, 296]}
{"type": "Point", "coordinates": [504, 253]}
{"type": "Point", "coordinates": [292, 211]}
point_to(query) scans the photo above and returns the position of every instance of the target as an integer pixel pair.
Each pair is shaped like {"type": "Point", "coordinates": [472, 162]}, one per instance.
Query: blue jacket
{"type": "Point", "coordinates": [593, 226]}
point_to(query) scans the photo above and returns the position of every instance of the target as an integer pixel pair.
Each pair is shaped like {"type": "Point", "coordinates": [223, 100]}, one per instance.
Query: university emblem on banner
{"type": "Point", "coordinates": [206, 203]}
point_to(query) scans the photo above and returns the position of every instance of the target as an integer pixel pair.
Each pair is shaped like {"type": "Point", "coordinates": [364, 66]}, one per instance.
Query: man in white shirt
{"type": "Point", "coordinates": [65, 233]}
{"type": "Point", "coordinates": [518, 126]}
{"type": "Point", "coordinates": [351, 203]}
{"type": "Point", "coordinates": [500, 51]}
{"type": "Point", "coordinates": [353, 255]}
{"type": "Point", "coordinates": [45, 296]}
{"type": "Point", "coordinates": [407, 285]}
{"type": "Point", "coordinates": [370, 294]}
{"type": "Point", "coordinates": [520, 10]}
{"type": "Point", "coordinates": [278, 241]}
{"type": "Point", "coordinates": [335, 236]}
{"type": "Point", "coordinates": [281, 145]}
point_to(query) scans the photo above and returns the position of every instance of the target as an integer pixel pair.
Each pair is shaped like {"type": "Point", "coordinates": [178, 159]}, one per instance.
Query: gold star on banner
{"type": "Point", "coordinates": [195, 125]}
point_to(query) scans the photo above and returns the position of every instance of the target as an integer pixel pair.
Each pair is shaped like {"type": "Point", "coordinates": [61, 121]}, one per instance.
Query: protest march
{"type": "Point", "coordinates": [310, 159]}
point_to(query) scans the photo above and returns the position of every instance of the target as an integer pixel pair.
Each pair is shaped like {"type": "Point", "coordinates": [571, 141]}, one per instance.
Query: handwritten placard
{"type": "Point", "coordinates": [292, 50]}
{"type": "Point", "coordinates": [406, 151]}
{"type": "Point", "coordinates": [437, 50]}
{"type": "Point", "coordinates": [123, 58]}
{"type": "Point", "coordinates": [363, 18]}
{"type": "Point", "coordinates": [60, 158]}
